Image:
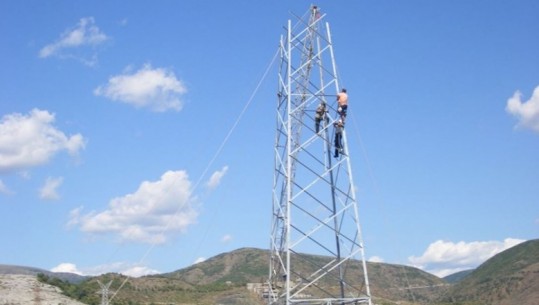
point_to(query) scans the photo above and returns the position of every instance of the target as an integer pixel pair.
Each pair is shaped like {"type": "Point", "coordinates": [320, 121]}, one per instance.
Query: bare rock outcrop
{"type": "Point", "coordinates": [18, 289]}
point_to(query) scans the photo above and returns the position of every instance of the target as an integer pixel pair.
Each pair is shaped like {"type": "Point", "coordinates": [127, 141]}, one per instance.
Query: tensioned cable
{"type": "Point", "coordinates": [378, 192]}
{"type": "Point", "coordinates": [230, 133]}
{"type": "Point", "coordinates": [373, 179]}
{"type": "Point", "coordinates": [210, 163]}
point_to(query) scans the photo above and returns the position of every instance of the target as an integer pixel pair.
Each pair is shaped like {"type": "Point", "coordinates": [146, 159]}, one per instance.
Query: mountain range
{"type": "Point", "coordinates": [510, 277]}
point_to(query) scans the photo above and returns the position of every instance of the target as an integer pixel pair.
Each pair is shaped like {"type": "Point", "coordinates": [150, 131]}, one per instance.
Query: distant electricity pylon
{"type": "Point", "coordinates": [104, 292]}
{"type": "Point", "coordinates": [317, 252]}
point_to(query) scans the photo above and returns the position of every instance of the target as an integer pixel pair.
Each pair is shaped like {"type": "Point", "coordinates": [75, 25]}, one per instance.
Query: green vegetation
{"type": "Point", "coordinates": [80, 292]}
{"type": "Point", "coordinates": [222, 280]}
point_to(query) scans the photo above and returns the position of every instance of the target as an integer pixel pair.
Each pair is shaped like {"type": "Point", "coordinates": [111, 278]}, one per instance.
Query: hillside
{"type": "Point", "coordinates": [223, 278]}
{"type": "Point", "coordinates": [510, 277]}
{"type": "Point", "coordinates": [70, 277]}
{"type": "Point", "coordinates": [240, 266]}
{"type": "Point", "coordinates": [390, 282]}
{"type": "Point", "coordinates": [457, 277]}
{"type": "Point", "coordinates": [25, 289]}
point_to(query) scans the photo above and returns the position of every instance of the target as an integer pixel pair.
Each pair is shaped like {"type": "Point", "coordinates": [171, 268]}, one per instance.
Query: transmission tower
{"type": "Point", "coordinates": [104, 292]}
{"type": "Point", "coordinates": [317, 252]}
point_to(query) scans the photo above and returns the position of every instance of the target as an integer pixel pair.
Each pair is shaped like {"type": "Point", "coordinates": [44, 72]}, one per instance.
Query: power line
{"type": "Point", "coordinates": [209, 164]}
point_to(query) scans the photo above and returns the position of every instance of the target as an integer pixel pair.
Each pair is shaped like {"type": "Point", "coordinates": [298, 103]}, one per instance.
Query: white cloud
{"type": "Point", "coordinates": [376, 259]}
{"type": "Point", "coordinates": [157, 89]}
{"type": "Point", "coordinates": [124, 268]}
{"type": "Point", "coordinates": [49, 191]}
{"type": "Point", "coordinates": [85, 34]}
{"type": "Point", "coordinates": [138, 271]}
{"type": "Point", "coordinates": [154, 211]}
{"type": "Point", "coordinates": [4, 189]}
{"type": "Point", "coordinates": [25, 174]}
{"type": "Point", "coordinates": [226, 239]}
{"type": "Point", "coordinates": [31, 140]}
{"type": "Point", "coordinates": [74, 217]}
{"type": "Point", "coordinates": [444, 257]}
{"type": "Point", "coordinates": [526, 112]}
{"type": "Point", "coordinates": [216, 177]}
{"type": "Point", "coordinates": [199, 260]}
{"type": "Point", "coordinates": [66, 267]}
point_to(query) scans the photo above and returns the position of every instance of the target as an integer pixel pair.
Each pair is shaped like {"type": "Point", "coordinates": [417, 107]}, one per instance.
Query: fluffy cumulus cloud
{"type": "Point", "coordinates": [70, 43]}
{"type": "Point", "coordinates": [67, 267]}
{"type": "Point", "coordinates": [139, 271]}
{"type": "Point", "coordinates": [150, 214]}
{"type": "Point", "coordinates": [216, 177]}
{"type": "Point", "coordinates": [526, 112]}
{"type": "Point", "coordinates": [443, 258]}
{"type": "Point", "coordinates": [157, 89]}
{"type": "Point", "coordinates": [31, 140]}
{"type": "Point", "coordinates": [49, 191]}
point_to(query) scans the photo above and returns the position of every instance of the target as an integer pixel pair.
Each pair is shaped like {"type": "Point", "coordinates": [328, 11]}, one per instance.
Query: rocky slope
{"type": "Point", "coordinates": [23, 289]}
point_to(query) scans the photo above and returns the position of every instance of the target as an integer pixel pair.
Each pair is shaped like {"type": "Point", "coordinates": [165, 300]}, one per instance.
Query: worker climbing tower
{"type": "Point", "coordinates": [317, 253]}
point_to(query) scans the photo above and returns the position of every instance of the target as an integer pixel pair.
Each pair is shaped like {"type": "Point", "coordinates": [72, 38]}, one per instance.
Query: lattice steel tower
{"type": "Point", "coordinates": [105, 289]}
{"type": "Point", "coordinates": [317, 252]}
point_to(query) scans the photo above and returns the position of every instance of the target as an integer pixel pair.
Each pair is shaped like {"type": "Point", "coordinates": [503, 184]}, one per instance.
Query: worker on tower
{"type": "Point", "coordinates": [319, 115]}
{"type": "Point", "coordinates": [342, 101]}
{"type": "Point", "coordinates": [339, 126]}
{"type": "Point", "coordinates": [316, 13]}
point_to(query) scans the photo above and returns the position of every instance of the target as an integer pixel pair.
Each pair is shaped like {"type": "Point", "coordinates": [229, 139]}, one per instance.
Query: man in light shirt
{"type": "Point", "coordinates": [342, 100]}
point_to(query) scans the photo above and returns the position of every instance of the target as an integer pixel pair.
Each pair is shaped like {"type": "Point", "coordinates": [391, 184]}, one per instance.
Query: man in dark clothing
{"type": "Point", "coordinates": [339, 126]}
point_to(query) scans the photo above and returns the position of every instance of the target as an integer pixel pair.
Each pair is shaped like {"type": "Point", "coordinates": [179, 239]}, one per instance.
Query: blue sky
{"type": "Point", "coordinates": [134, 137]}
